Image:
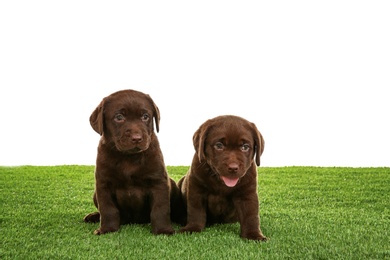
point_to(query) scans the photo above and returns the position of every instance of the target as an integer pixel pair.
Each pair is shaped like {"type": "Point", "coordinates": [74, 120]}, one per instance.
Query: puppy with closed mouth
{"type": "Point", "coordinates": [221, 184]}
{"type": "Point", "coordinates": [131, 181]}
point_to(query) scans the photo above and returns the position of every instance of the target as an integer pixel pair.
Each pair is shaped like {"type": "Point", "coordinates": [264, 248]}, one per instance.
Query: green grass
{"type": "Point", "coordinates": [307, 212]}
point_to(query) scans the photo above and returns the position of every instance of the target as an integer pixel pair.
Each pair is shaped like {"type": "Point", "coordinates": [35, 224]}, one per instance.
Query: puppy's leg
{"type": "Point", "coordinates": [196, 211]}
{"type": "Point", "coordinates": [109, 213]}
{"type": "Point", "coordinates": [248, 214]}
{"type": "Point", "coordinates": [160, 213]}
{"type": "Point", "coordinates": [109, 222]}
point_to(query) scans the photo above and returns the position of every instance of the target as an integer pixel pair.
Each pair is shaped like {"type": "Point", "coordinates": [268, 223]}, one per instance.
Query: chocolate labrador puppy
{"type": "Point", "coordinates": [221, 184]}
{"type": "Point", "coordinates": [132, 185]}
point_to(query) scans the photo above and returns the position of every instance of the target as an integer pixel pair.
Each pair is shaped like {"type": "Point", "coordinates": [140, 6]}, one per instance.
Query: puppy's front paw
{"type": "Point", "coordinates": [97, 232]}
{"type": "Point", "coordinates": [101, 231]}
{"type": "Point", "coordinates": [254, 236]}
{"type": "Point", "coordinates": [190, 229]}
{"type": "Point", "coordinates": [163, 231]}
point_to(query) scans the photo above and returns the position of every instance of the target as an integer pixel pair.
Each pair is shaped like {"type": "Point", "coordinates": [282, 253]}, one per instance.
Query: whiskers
{"type": "Point", "coordinates": [202, 164]}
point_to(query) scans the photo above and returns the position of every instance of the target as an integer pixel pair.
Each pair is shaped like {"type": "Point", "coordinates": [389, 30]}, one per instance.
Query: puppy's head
{"type": "Point", "coordinates": [229, 144]}
{"type": "Point", "coordinates": [125, 118]}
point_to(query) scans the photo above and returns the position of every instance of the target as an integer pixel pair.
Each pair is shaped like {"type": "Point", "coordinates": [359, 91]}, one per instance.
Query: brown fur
{"type": "Point", "coordinates": [221, 184]}
{"type": "Point", "coordinates": [132, 185]}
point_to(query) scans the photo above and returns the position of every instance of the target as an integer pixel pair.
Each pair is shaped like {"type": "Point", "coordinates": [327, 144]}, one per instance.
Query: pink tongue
{"type": "Point", "coordinates": [229, 182]}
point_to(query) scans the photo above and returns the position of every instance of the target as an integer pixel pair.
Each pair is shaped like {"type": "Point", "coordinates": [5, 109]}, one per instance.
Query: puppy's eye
{"type": "Point", "coordinates": [218, 146]}
{"type": "Point", "coordinates": [119, 118]}
{"type": "Point", "coordinates": [245, 147]}
{"type": "Point", "coordinates": [145, 117]}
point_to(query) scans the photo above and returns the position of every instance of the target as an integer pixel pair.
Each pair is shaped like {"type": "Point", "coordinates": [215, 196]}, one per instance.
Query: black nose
{"type": "Point", "coordinates": [233, 167]}
{"type": "Point", "coordinates": [136, 138]}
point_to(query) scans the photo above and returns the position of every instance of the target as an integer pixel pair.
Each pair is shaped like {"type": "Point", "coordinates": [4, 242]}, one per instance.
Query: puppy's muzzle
{"type": "Point", "coordinates": [132, 142]}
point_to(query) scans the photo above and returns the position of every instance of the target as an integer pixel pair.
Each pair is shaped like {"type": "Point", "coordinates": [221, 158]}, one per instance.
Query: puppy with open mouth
{"type": "Point", "coordinates": [221, 184]}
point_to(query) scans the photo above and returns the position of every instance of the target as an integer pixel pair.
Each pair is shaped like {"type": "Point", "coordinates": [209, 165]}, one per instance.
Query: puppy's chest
{"type": "Point", "coordinates": [135, 180]}
{"type": "Point", "coordinates": [216, 200]}
{"type": "Point", "coordinates": [137, 174]}
{"type": "Point", "coordinates": [221, 207]}
{"type": "Point", "coordinates": [131, 197]}
{"type": "Point", "coordinates": [133, 190]}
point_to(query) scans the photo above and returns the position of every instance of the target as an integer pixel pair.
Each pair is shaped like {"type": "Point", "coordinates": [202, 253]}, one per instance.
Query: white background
{"type": "Point", "coordinates": [314, 76]}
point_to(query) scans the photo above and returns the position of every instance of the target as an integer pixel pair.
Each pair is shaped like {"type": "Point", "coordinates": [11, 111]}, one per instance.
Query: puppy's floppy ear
{"type": "Point", "coordinates": [156, 113]}
{"type": "Point", "coordinates": [97, 119]}
{"type": "Point", "coordinates": [259, 143]}
{"type": "Point", "coordinates": [199, 139]}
